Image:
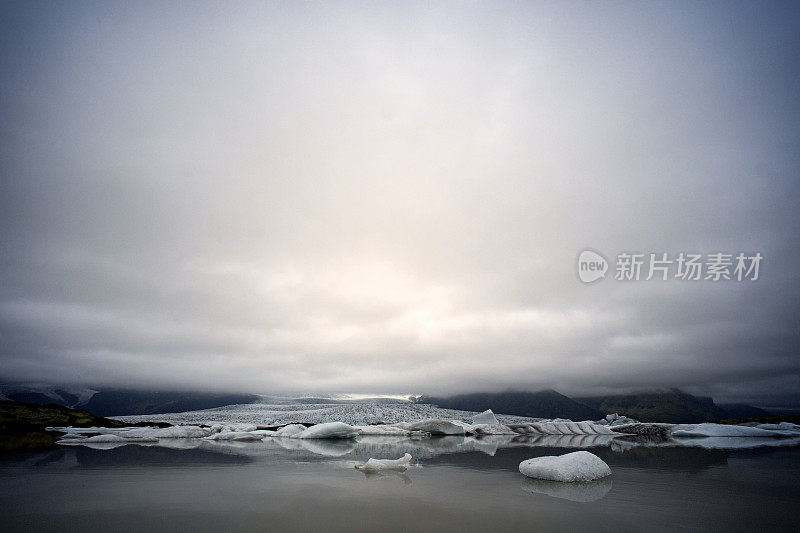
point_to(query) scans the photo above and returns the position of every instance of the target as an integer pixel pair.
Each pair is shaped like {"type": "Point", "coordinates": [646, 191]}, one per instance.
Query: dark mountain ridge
{"type": "Point", "coordinates": [539, 404]}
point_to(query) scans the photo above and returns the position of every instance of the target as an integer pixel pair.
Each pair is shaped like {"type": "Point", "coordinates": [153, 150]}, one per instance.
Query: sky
{"type": "Point", "coordinates": [382, 197]}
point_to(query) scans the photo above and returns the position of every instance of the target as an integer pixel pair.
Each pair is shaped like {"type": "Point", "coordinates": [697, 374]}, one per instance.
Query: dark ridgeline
{"type": "Point", "coordinates": [673, 406]}
{"type": "Point", "coordinates": [118, 402]}
{"type": "Point", "coordinates": [540, 404]}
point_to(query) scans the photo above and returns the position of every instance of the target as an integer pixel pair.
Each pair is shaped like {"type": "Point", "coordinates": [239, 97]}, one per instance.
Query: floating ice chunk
{"type": "Point", "coordinates": [235, 435]}
{"type": "Point", "coordinates": [291, 430]}
{"type": "Point", "coordinates": [562, 427]}
{"type": "Point", "coordinates": [738, 443]}
{"type": "Point", "coordinates": [72, 436]}
{"type": "Point", "coordinates": [264, 433]}
{"type": "Point", "coordinates": [575, 466]}
{"type": "Point", "coordinates": [469, 429]}
{"type": "Point", "coordinates": [725, 430]}
{"type": "Point", "coordinates": [437, 427]}
{"type": "Point", "coordinates": [492, 429]}
{"type": "Point", "coordinates": [374, 465]}
{"type": "Point", "coordinates": [330, 430]}
{"type": "Point", "coordinates": [173, 432]}
{"type": "Point", "coordinates": [783, 426]}
{"type": "Point", "coordinates": [486, 417]}
{"type": "Point", "coordinates": [113, 439]}
{"type": "Point", "coordinates": [382, 430]}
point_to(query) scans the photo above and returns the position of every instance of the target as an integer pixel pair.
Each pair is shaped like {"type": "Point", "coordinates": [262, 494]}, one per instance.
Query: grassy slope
{"type": "Point", "coordinates": [22, 425]}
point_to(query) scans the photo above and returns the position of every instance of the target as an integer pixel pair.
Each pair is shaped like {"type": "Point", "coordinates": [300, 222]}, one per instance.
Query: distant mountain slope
{"type": "Point", "coordinates": [117, 402]}
{"type": "Point", "coordinates": [741, 410]}
{"type": "Point", "coordinates": [125, 402]}
{"type": "Point", "coordinates": [672, 406]}
{"type": "Point", "coordinates": [541, 404]}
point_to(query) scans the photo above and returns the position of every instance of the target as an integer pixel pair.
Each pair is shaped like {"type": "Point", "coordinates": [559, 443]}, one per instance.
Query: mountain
{"type": "Point", "coordinates": [118, 402]}
{"type": "Point", "coordinates": [672, 406]}
{"type": "Point", "coordinates": [541, 404]}
{"type": "Point", "coordinates": [22, 425]}
{"type": "Point", "coordinates": [741, 410]}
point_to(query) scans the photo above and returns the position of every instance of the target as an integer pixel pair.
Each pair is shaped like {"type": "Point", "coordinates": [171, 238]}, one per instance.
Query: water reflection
{"type": "Point", "coordinates": [576, 492]}
{"type": "Point", "coordinates": [375, 475]}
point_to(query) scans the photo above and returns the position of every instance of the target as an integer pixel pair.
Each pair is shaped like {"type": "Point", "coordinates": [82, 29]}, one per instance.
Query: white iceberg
{"type": "Point", "coordinates": [726, 430]}
{"type": "Point", "coordinates": [326, 447]}
{"type": "Point", "coordinates": [172, 432]}
{"type": "Point", "coordinates": [330, 430]}
{"type": "Point", "coordinates": [492, 429]}
{"type": "Point", "coordinates": [783, 426]}
{"type": "Point", "coordinates": [562, 427]}
{"type": "Point", "coordinates": [570, 467]}
{"type": "Point", "coordinates": [264, 432]}
{"type": "Point", "coordinates": [235, 435]}
{"type": "Point", "coordinates": [108, 438]}
{"type": "Point", "coordinates": [375, 465]}
{"type": "Point", "coordinates": [437, 427]}
{"type": "Point", "coordinates": [291, 430]}
{"type": "Point", "coordinates": [486, 417]}
{"type": "Point", "coordinates": [382, 430]}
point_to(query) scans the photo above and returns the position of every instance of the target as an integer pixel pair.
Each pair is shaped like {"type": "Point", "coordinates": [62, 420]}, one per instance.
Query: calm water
{"type": "Point", "coordinates": [313, 486]}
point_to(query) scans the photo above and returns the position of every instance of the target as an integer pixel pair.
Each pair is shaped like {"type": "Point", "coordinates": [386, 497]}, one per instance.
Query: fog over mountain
{"type": "Point", "coordinates": [379, 198]}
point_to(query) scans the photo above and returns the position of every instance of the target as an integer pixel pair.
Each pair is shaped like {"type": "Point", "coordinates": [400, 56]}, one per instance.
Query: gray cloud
{"type": "Point", "coordinates": [370, 198]}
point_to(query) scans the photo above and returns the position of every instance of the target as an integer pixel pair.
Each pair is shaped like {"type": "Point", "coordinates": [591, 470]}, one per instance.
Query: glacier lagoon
{"type": "Point", "coordinates": [453, 483]}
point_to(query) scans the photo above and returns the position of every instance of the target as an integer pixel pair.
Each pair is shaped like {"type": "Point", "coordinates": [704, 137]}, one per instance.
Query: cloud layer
{"type": "Point", "coordinates": [367, 197]}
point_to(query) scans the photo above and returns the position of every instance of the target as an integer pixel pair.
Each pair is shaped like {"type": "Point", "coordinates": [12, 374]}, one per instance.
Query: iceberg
{"type": "Point", "coordinates": [108, 438]}
{"type": "Point", "coordinates": [570, 467]}
{"type": "Point", "coordinates": [726, 430]}
{"type": "Point", "coordinates": [783, 426]}
{"type": "Point", "coordinates": [291, 430]}
{"type": "Point", "coordinates": [234, 435]}
{"type": "Point", "coordinates": [173, 432]}
{"type": "Point", "coordinates": [374, 465]}
{"type": "Point", "coordinates": [493, 429]}
{"type": "Point", "coordinates": [562, 427]}
{"type": "Point", "coordinates": [329, 430]}
{"type": "Point", "coordinates": [437, 427]}
{"type": "Point", "coordinates": [486, 417]}
{"type": "Point", "coordinates": [392, 431]}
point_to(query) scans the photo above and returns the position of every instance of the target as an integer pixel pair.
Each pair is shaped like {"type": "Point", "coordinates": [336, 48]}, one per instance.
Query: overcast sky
{"type": "Point", "coordinates": [390, 197]}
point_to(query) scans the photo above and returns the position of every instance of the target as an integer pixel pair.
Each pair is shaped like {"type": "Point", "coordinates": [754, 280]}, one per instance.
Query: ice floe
{"type": "Point", "coordinates": [234, 435]}
{"type": "Point", "coordinates": [173, 432]}
{"type": "Point", "coordinates": [108, 438]}
{"type": "Point", "coordinates": [291, 430]}
{"type": "Point", "coordinates": [570, 467]}
{"type": "Point", "coordinates": [330, 430]}
{"type": "Point", "coordinates": [486, 417]}
{"type": "Point", "coordinates": [375, 465]}
{"type": "Point", "coordinates": [727, 430]}
{"type": "Point", "coordinates": [437, 427]}
{"type": "Point", "coordinates": [382, 430]}
{"type": "Point", "coordinates": [561, 426]}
